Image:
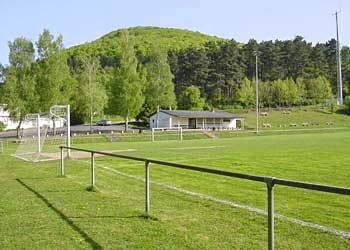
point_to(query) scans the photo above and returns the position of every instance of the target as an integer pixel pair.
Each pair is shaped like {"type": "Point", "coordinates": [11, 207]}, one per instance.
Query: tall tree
{"type": "Point", "coordinates": [245, 94]}
{"type": "Point", "coordinates": [292, 92]}
{"type": "Point", "coordinates": [331, 57]}
{"type": "Point", "coordinates": [324, 89]}
{"type": "Point", "coordinates": [19, 86]}
{"type": "Point", "coordinates": [52, 72]}
{"type": "Point", "coordinates": [190, 99]}
{"type": "Point", "coordinates": [280, 90]}
{"type": "Point", "coordinates": [301, 91]}
{"type": "Point", "coordinates": [265, 93]}
{"type": "Point", "coordinates": [249, 50]}
{"type": "Point", "coordinates": [159, 89]}
{"type": "Point", "coordinates": [127, 84]}
{"type": "Point", "coordinates": [89, 97]}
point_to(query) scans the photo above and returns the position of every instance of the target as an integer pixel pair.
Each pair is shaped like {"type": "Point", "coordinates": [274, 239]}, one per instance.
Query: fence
{"type": "Point", "coordinates": [270, 182]}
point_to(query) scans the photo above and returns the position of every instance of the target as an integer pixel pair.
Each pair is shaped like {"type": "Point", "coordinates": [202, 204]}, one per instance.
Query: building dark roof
{"type": "Point", "coordinates": [201, 114]}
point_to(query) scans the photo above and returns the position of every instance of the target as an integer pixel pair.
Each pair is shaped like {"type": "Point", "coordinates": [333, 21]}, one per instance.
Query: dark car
{"type": "Point", "coordinates": [103, 122]}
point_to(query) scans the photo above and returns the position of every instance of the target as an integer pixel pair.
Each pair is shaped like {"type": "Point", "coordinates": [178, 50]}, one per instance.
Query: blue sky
{"type": "Point", "coordinates": [81, 21]}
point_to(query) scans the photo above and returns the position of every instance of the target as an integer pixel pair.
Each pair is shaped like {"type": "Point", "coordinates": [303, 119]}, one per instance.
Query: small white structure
{"type": "Point", "coordinates": [189, 119]}
{"type": "Point", "coordinates": [10, 123]}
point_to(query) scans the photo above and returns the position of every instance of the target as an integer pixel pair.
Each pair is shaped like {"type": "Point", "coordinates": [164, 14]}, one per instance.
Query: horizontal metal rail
{"type": "Point", "coordinates": [270, 181]}
{"type": "Point", "coordinates": [265, 179]}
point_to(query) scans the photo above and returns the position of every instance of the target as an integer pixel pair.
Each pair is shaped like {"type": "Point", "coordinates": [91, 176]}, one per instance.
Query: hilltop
{"type": "Point", "coordinates": [144, 38]}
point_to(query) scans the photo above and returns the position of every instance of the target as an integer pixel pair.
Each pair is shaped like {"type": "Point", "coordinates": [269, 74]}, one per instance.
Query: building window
{"type": "Point", "coordinates": [153, 121]}
{"type": "Point", "coordinates": [227, 120]}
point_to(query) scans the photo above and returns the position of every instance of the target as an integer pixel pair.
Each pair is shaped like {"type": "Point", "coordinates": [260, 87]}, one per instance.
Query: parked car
{"type": "Point", "coordinates": [103, 122]}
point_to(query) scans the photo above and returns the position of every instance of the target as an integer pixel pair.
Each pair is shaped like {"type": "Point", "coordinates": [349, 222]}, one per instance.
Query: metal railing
{"type": "Point", "coordinates": [270, 181]}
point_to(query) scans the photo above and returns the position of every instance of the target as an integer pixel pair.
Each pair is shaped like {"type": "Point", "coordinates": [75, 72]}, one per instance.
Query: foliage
{"type": "Point", "coordinates": [161, 66]}
{"type": "Point", "coordinates": [347, 104]}
{"type": "Point", "coordinates": [127, 84]}
{"type": "Point", "coordinates": [280, 91]}
{"type": "Point", "coordinates": [52, 74]}
{"type": "Point", "coordinates": [217, 66]}
{"type": "Point", "coordinates": [159, 88]}
{"type": "Point", "coordinates": [292, 92]}
{"type": "Point", "coordinates": [19, 84]}
{"type": "Point", "coordinates": [301, 91]}
{"type": "Point", "coordinates": [190, 99]}
{"type": "Point", "coordinates": [245, 94]}
{"type": "Point", "coordinates": [89, 97]}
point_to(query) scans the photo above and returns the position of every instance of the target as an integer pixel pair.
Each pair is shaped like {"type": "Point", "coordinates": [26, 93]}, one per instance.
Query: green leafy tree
{"type": "Point", "coordinates": [301, 91]}
{"type": "Point", "coordinates": [265, 93]}
{"type": "Point", "coordinates": [19, 85]}
{"type": "Point", "coordinates": [319, 90]}
{"type": "Point", "coordinates": [159, 89]}
{"type": "Point", "coordinates": [280, 91]}
{"type": "Point", "coordinates": [53, 75]}
{"type": "Point", "coordinates": [190, 99]}
{"type": "Point", "coordinates": [347, 104]}
{"type": "Point", "coordinates": [127, 84]}
{"type": "Point", "coordinates": [245, 94]}
{"type": "Point", "coordinates": [324, 89]}
{"type": "Point", "coordinates": [90, 96]}
{"type": "Point", "coordinates": [292, 92]}
{"type": "Point", "coordinates": [332, 103]}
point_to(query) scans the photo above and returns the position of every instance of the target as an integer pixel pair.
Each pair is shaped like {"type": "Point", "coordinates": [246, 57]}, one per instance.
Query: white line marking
{"type": "Point", "coordinates": [335, 231]}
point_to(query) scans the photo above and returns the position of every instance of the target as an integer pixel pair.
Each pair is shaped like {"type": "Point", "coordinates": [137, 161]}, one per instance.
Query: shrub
{"type": "Point", "coordinates": [347, 104]}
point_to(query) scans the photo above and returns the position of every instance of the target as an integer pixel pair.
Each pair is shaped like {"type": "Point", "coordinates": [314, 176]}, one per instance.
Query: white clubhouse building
{"type": "Point", "coordinates": [189, 119]}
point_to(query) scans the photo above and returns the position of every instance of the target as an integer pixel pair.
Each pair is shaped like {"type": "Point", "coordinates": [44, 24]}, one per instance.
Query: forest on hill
{"type": "Point", "coordinates": [132, 72]}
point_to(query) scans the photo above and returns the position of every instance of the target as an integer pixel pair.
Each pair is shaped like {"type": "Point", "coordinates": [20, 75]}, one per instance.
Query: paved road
{"type": "Point", "coordinates": [74, 129]}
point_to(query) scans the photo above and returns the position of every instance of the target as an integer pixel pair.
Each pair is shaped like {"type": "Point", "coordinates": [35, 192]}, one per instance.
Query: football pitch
{"type": "Point", "coordinates": [189, 210]}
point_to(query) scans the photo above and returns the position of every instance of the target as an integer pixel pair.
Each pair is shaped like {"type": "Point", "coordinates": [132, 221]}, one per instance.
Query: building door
{"type": "Point", "coordinates": [191, 122]}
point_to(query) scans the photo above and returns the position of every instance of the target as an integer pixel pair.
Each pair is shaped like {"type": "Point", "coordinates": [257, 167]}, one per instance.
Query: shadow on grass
{"type": "Point", "coordinates": [143, 216]}
{"type": "Point", "coordinates": [86, 237]}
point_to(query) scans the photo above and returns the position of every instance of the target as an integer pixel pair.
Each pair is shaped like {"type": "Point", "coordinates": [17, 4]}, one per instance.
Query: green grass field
{"type": "Point", "coordinates": [305, 118]}
{"type": "Point", "coordinates": [42, 210]}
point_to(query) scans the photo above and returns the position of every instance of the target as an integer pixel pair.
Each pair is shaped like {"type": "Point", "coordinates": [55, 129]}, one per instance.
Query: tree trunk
{"type": "Point", "coordinates": [126, 124]}
{"type": "Point", "coordinates": [54, 125]}
{"type": "Point", "coordinates": [19, 128]}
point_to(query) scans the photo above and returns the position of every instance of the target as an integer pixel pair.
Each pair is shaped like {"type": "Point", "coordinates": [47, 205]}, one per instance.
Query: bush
{"type": "Point", "coordinates": [347, 104]}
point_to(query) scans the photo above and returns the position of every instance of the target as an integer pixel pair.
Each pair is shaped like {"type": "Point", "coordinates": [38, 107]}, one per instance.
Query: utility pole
{"type": "Point", "coordinates": [339, 76]}
{"type": "Point", "coordinates": [257, 91]}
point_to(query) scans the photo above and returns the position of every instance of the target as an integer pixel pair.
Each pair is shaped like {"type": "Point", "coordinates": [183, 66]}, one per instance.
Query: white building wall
{"type": "Point", "coordinates": [12, 124]}
{"type": "Point", "coordinates": [164, 120]}
{"type": "Point", "coordinates": [180, 122]}
{"type": "Point", "coordinates": [167, 121]}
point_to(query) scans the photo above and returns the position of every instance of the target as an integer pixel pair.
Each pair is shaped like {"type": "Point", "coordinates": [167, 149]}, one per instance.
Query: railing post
{"type": "Point", "coordinates": [147, 186]}
{"type": "Point", "coordinates": [62, 162]}
{"type": "Point", "coordinates": [92, 169]}
{"type": "Point", "coordinates": [270, 212]}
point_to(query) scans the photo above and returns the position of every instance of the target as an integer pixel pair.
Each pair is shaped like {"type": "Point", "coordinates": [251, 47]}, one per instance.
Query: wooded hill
{"type": "Point", "coordinates": [131, 72]}
{"type": "Point", "coordinates": [218, 66]}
